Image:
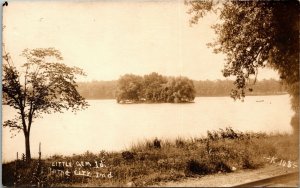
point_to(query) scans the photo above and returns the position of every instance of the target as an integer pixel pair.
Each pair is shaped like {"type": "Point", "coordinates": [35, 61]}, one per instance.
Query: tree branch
{"type": "Point", "coordinates": [25, 83]}
{"type": "Point", "coordinates": [30, 115]}
{"type": "Point", "coordinates": [12, 96]}
{"type": "Point", "coordinates": [15, 126]}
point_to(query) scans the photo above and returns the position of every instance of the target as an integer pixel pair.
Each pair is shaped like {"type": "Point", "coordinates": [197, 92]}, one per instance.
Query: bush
{"type": "Point", "coordinates": [195, 167]}
{"type": "Point", "coordinates": [156, 143]}
{"type": "Point", "coordinates": [127, 155]}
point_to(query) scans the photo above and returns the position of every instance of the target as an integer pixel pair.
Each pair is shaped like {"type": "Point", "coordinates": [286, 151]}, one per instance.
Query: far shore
{"type": "Point", "coordinates": [264, 94]}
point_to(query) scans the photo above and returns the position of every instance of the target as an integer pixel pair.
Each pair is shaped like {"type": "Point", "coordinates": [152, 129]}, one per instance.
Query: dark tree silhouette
{"type": "Point", "coordinates": [41, 87]}
{"type": "Point", "coordinates": [255, 34]}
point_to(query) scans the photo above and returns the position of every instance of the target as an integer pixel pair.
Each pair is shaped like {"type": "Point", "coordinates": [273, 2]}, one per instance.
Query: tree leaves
{"type": "Point", "coordinates": [154, 88]}
{"type": "Point", "coordinates": [252, 33]}
{"type": "Point", "coordinates": [47, 87]}
{"type": "Point", "coordinates": [256, 34]}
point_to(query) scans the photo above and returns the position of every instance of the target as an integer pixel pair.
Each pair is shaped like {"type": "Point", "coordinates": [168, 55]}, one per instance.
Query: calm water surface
{"type": "Point", "coordinates": [106, 125]}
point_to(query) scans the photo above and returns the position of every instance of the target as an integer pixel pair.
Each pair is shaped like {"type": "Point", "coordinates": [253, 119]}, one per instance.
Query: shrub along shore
{"type": "Point", "coordinates": [154, 161]}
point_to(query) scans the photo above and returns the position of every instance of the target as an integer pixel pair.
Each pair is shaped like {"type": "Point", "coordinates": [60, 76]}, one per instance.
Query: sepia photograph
{"type": "Point", "coordinates": [150, 93]}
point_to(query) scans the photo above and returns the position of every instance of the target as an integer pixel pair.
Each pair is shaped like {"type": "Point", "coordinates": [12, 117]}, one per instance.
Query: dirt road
{"type": "Point", "coordinates": [239, 177]}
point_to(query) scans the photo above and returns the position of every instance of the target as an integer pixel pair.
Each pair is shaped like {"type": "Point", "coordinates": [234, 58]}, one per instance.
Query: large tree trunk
{"type": "Point", "coordinates": [27, 147]}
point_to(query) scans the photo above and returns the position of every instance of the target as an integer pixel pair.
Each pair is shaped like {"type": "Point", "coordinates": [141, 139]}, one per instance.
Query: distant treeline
{"type": "Point", "coordinates": [107, 89]}
{"type": "Point", "coordinates": [223, 87]}
{"type": "Point", "coordinates": [98, 89]}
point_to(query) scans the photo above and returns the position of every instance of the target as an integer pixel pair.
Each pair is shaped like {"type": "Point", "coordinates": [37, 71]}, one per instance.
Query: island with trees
{"type": "Point", "coordinates": [154, 88]}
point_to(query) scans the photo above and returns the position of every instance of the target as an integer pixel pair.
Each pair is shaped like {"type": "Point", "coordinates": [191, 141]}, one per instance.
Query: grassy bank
{"type": "Point", "coordinates": [154, 161]}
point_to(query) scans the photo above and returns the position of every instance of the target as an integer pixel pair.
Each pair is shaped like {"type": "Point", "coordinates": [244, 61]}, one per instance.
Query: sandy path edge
{"type": "Point", "coordinates": [233, 179]}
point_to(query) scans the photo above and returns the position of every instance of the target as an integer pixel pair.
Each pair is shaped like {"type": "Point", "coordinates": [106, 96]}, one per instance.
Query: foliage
{"type": "Point", "coordinates": [254, 34]}
{"type": "Point", "coordinates": [195, 167]}
{"type": "Point", "coordinates": [154, 88]}
{"type": "Point", "coordinates": [40, 87]}
{"type": "Point", "coordinates": [129, 88]}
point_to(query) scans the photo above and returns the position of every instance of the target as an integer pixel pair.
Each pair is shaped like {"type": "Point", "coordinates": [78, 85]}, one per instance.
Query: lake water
{"type": "Point", "coordinates": [106, 125]}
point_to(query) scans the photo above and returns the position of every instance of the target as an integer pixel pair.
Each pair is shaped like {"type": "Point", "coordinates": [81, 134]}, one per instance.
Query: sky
{"type": "Point", "coordinates": [108, 39]}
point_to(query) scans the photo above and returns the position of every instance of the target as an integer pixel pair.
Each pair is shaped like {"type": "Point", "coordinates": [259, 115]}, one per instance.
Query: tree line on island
{"type": "Point", "coordinates": [154, 88]}
{"type": "Point", "coordinates": [203, 88]}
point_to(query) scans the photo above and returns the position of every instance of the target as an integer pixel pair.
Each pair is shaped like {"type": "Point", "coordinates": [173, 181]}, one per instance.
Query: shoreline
{"type": "Point", "coordinates": [155, 162]}
{"type": "Point", "coordinates": [254, 95]}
